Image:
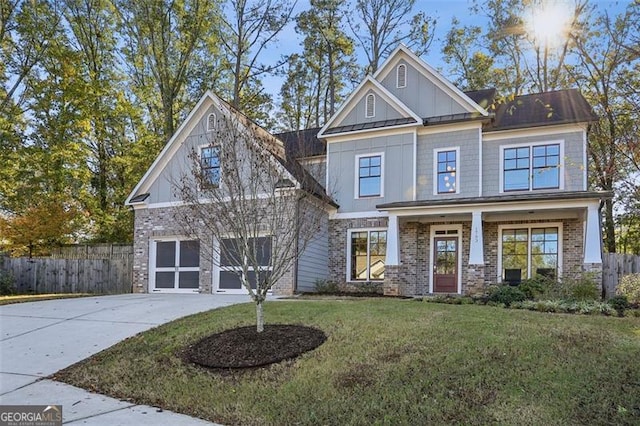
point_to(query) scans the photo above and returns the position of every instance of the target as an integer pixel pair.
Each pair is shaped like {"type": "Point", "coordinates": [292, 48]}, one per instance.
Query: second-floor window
{"type": "Point", "coordinates": [446, 171]}
{"type": "Point", "coordinates": [369, 176]}
{"type": "Point", "coordinates": [210, 166]}
{"type": "Point", "coordinates": [531, 167]}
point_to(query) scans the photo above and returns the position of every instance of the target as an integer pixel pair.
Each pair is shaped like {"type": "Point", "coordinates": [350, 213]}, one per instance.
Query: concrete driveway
{"type": "Point", "coordinates": [39, 338]}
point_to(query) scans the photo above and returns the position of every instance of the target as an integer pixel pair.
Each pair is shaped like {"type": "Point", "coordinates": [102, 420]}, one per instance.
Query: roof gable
{"type": "Point", "coordinates": [402, 55]}
{"type": "Point", "coordinates": [389, 111]}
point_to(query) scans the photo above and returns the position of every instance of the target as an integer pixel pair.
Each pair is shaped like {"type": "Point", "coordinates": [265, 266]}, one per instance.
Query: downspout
{"type": "Point", "coordinates": [297, 246]}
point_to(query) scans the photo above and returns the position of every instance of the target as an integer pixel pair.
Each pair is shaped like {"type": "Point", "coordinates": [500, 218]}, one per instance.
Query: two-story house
{"type": "Point", "coordinates": [437, 190]}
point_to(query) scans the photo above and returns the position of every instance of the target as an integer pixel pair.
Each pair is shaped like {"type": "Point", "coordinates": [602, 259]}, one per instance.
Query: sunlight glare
{"type": "Point", "coordinates": [549, 22]}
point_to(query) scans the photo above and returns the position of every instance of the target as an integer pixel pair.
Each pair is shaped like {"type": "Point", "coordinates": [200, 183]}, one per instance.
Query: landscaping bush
{"type": "Point", "coordinates": [575, 286]}
{"type": "Point", "coordinates": [629, 286]}
{"type": "Point", "coordinates": [326, 287]}
{"type": "Point", "coordinates": [506, 295]}
{"type": "Point", "coordinates": [534, 287]}
{"type": "Point", "coordinates": [7, 284]}
{"type": "Point", "coordinates": [619, 303]}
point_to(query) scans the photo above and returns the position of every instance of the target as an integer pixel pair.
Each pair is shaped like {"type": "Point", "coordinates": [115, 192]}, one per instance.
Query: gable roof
{"type": "Point", "coordinates": [368, 84]}
{"type": "Point", "coordinates": [403, 52]}
{"type": "Point", "coordinates": [274, 145]}
{"type": "Point", "coordinates": [542, 109]}
{"type": "Point", "coordinates": [302, 143]}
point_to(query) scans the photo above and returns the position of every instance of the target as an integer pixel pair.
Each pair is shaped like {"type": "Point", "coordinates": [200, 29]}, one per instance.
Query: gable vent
{"type": "Point", "coordinates": [370, 106]}
{"type": "Point", "coordinates": [211, 122]}
{"type": "Point", "coordinates": [401, 76]}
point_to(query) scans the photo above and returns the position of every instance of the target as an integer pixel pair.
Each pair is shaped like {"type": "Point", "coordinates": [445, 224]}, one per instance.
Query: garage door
{"type": "Point", "coordinates": [228, 275]}
{"type": "Point", "coordinates": [175, 266]}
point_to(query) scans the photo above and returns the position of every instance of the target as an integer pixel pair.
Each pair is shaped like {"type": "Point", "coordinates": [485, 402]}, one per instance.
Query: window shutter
{"type": "Point", "coordinates": [401, 74]}
{"type": "Point", "coordinates": [370, 105]}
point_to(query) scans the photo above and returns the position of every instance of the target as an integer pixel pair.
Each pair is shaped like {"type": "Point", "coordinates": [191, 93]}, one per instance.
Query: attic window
{"type": "Point", "coordinates": [370, 106]}
{"type": "Point", "coordinates": [401, 76]}
{"type": "Point", "coordinates": [211, 122]}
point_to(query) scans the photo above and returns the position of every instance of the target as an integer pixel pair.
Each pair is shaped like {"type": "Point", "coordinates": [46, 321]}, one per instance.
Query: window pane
{"type": "Point", "coordinates": [263, 247]}
{"type": "Point", "coordinates": [190, 253]}
{"type": "Point", "coordinates": [165, 279]}
{"type": "Point", "coordinates": [210, 164]}
{"type": "Point", "coordinates": [165, 254]}
{"type": "Point", "coordinates": [189, 279]}
{"type": "Point", "coordinates": [370, 172]}
{"type": "Point", "coordinates": [369, 186]}
{"type": "Point", "coordinates": [229, 281]}
{"type": "Point", "coordinates": [229, 255]}
{"type": "Point", "coordinates": [516, 180]}
{"type": "Point", "coordinates": [251, 277]}
{"type": "Point", "coordinates": [514, 254]}
{"type": "Point", "coordinates": [364, 161]}
{"type": "Point", "coordinates": [447, 172]}
{"type": "Point", "coordinates": [359, 256]}
{"type": "Point", "coordinates": [375, 161]}
{"type": "Point", "coordinates": [546, 178]}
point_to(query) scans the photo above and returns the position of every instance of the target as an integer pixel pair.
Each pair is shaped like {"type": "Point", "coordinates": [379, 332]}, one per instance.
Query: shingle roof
{"type": "Point", "coordinates": [302, 143]}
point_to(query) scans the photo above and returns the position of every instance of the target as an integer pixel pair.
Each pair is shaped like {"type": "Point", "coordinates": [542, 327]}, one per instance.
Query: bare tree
{"type": "Point", "coordinates": [261, 208]}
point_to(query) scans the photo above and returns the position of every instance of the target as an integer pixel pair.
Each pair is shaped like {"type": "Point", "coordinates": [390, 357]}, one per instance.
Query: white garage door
{"type": "Point", "coordinates": [174, 266]}
{"type": "Point", "coordinates": [227, 276]}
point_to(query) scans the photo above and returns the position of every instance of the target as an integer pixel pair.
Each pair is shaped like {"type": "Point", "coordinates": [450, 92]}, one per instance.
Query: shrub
{"type": "Point", "coordinates": [506, 295]}
{"type": "Point", "coordinates": [326, 287]}
{"type": "Point", "coordinates": [578, 286]}
{"type": "Point", "coordinates": [7, 284]}
{"type": "Point", "coordinates": [534, 287]}
{"type": "Point", "coordinates": [630, 287]}
{"type": "Point", "coordinates": [619, 303]}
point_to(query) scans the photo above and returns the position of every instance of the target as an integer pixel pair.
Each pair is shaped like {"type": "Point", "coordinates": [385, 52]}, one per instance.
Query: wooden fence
{"type": "Point", "coordinates": [48, 275]}
{"type": "Point", "coordinates": [93, 251]}
{"type": "Point", "coordinates": [614, 266]}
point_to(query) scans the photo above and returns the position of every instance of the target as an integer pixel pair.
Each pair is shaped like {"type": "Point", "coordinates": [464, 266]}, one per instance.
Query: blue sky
{"type": "Point", "coordinates": [443, 10]}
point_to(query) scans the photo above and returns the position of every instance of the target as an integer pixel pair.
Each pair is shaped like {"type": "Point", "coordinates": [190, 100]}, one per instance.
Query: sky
{"type": "Point", "coordinates": [443, 10]}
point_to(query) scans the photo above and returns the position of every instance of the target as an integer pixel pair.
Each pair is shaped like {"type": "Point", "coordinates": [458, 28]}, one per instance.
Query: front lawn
{"type": "Point", "coordinates": [390, 362]}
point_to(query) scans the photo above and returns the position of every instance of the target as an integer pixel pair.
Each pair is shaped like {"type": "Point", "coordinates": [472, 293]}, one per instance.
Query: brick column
{"type": "Point", "coordinates": [596, 270]}
{"type": "Point", "coordinates": [394, 284]}
{"type": "Point", "coordinates": [475, 285]}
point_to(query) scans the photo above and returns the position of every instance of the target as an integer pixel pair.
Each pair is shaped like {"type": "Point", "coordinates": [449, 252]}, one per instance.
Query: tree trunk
{"type": "Point", "coordinates": [259, 317]}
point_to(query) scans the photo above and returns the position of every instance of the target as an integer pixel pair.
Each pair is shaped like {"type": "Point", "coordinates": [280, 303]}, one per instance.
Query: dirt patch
{"type": "Point", "coordinates": [244, 347]}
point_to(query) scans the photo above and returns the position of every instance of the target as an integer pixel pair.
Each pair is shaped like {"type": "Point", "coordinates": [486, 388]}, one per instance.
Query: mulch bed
{"type": "Point", "coordinates": [244, 347]}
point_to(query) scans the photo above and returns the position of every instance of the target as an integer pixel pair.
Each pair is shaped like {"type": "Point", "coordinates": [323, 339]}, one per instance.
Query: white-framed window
{"type": "Point", "coordinates": [210, 165]}
{"type": "Point", "coordinates": [366, 251]}
{"type": "Point", "coordinates": [531, 167]}
{"type": "Point", "coordinates": [175, 265]}
{"type": "Point", "coordinates": [401, 76]}
{"type": "Point", "coordinates": [228, 273]}
{"type": "Point", "coordinates": [212, 122]}
{"type": "Point", "coordinates": [527, 250]}
{"type": "Point", "coordinates": [446, 179]}
{"type": "Point", "coordinates": [370, 106]}
{"type": "Point", "coordinates": [369, 174]}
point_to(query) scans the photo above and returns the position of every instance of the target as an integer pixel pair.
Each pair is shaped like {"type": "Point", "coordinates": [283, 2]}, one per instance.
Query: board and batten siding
{"type": "Point", "coordinates": [397, 170]}
{"type": "Point", "coordinates": [421, 95]}
{"type": "Point", "coordinates": [383, 111]}
{"type": "Point", "coordinates": [467, 163]}
{"type": "Point", "coordinates": [573, 170]}
{"type": "Point", "coordinates": [162, 189]}
{"type": "Point", "coordinates": [313, 264]}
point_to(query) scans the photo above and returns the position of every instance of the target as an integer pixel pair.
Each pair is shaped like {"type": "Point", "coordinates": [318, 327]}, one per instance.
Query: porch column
{"type": "Point", "coordinates": [592, 237]}
{"type": "Point", "coordinates": [393, 246]}
{"type": "Point", "coordinates": [476, 251]}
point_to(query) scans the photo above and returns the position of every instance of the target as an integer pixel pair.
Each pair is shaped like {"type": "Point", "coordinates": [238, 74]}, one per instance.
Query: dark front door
{"type": "Point", "coordinates": [445, 265]}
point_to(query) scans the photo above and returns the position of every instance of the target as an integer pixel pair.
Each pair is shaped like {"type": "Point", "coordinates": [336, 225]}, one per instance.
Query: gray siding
{"type": "Point", "coordinates": [573, 170]}
{"type": "Point", "coordinates": [420, 95]}
{"type": "Point", "coordinates": [467, 174]}
{"type": "Point", "coordinates": [383, 111]}
{"type": "Point", "coordinates": [181, 164]}
{"type": "Point", "coordinates": [313, 264]}
{"type": "Point", "coordinates": [397, 171]}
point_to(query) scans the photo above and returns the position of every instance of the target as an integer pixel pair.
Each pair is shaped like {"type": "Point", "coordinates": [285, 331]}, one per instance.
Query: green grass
{"type": "Point", "coordinates": [391, 362]}
{"type": "Point", "coordinates": [22, 298]}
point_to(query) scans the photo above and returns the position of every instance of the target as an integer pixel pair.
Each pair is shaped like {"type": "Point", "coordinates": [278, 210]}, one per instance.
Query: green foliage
{"type": "Point", "coordinates": [326, 287]}
{"type": "Point", "coordinates": [506, 295]}
{"type": "Point", "coordinates": [566, 307]}
{"type": "Point", "coordinates": [534, 287]}
{"type": "Point", "coordinates": [629, 286]}
{"type": "Point", "coordinates": [576, 286]}
{"type": "Point", "coordinates": [619, 303]}
{"type": "Point", "coordinates": [7, 284]}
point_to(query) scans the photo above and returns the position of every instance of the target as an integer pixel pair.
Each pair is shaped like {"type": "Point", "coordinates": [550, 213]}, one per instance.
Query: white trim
{"type": "Point", "coordinates": [585, 181]}
{"type": "Point", "coordinates": [531, 145]}
{"type": "Point", "coordinates": [370, 104]}
{"type": "Point", "coordinates": [449, 128]}
{"type": "Point", "coordinates": [348, 253]}
{"type": "Point", "coordinates": [398, 85]}
{"type": "Point", "coordinates": [480, 165]}
{"type": "Point", "coordinates": [592, 252]}
{"type": "Point", "coordinates": [368, 84]}
{"type": "Point", "coordinates": [432, 236]}
{"type": "Point", "coordinates": [356, 186]}
{"type": "Point", "coordinates": [533, 132]}
{"type": "Point", "coordinates": [415, 165]}
{"type": "Point", "coordinates": [529, 227]}
{"type": "Point", "coordinates": [176, 269]}
{"type": "Point", "coordinates": [374, 214]}
{"type": "Point", "coordinates": [436, 151]}
{"type": "Point", "coordinates": [215, 122]}
{"type": "Point", "coordinates": [431, 74]}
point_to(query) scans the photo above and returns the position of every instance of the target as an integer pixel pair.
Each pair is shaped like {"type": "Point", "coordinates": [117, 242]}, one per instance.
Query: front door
{"type": "Point", "coordinates": [445, 265]}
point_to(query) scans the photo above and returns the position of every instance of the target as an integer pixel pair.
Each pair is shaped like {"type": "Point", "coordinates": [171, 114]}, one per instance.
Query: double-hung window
{"type": "Point", "coordinates": [210, 166]}
{"type": "Point", "coordinates": [529, 251]}
{"type": "Point", "coordinates": [531, 167]}
{"type": "Point", "coordinates": [369, 172]}
{"type": "Point", "coordinates": [367, 254]}
{"type": "Point", "coordinates": [446, 171]}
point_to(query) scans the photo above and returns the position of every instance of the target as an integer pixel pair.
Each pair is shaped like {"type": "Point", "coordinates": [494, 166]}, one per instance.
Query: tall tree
{"type": "Point", "coordinates": [382, 24]}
